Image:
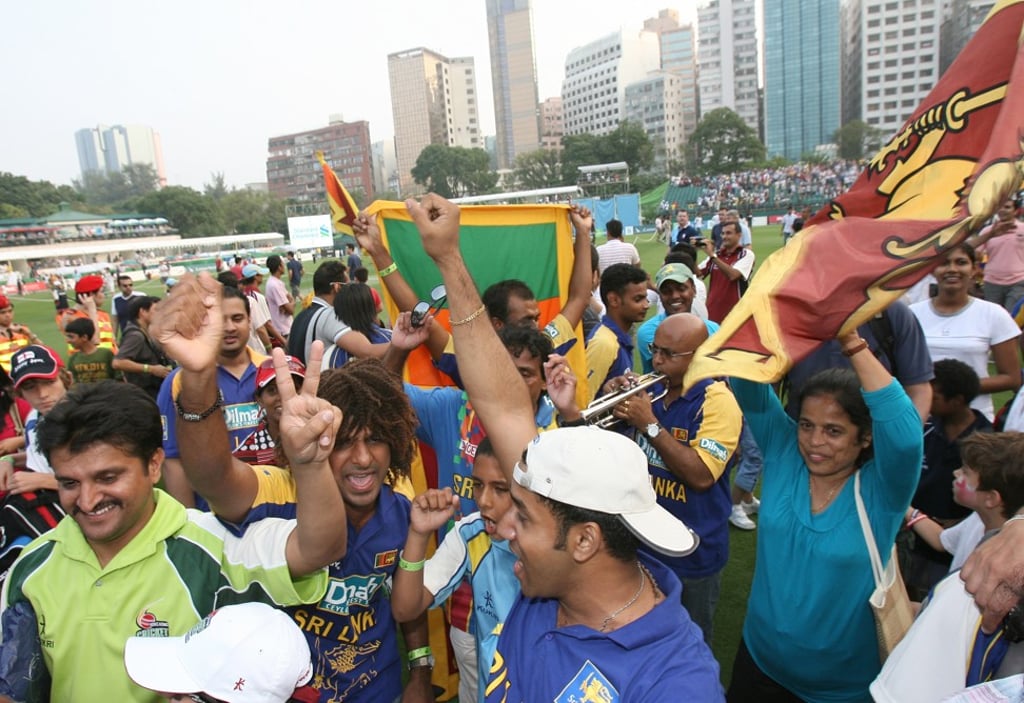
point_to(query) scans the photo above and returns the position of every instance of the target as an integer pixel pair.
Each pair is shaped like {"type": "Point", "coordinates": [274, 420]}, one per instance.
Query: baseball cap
{"type": "Point", "coordinates": [89, 284]}
{"type": "Point", "coordinates": [595, 469]}
{"type": "Point", "coordinates": [251, 642]}
{"type": "Point", "coordinates": [5, 302]}
{"type": "Point", "coordinates": [34, 361]}
{"type": "Point", "coordinates": [265, 371]}
{"type": "Point", "coordinates": [680, 273]}
{"type": "Point", "coordinates": [251, 270]}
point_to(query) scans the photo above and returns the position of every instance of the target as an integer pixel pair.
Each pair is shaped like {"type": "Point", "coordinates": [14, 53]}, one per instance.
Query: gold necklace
{"type": "Point", "coordinates": [636, 596]}
{"type": "Point", "coordinates": [828, 498]}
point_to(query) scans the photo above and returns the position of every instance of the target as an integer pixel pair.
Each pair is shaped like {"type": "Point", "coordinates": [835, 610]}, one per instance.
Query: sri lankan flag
{"type": "Point", "coordinates": [532, 243]}
{"type": "Point", "coordinates": [343, 207]}
{"type": "Point", "coordinates": [955, 161]}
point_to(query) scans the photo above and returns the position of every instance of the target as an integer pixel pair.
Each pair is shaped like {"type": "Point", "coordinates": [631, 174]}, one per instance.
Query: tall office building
{"type": "Point", "coordinates": [513, 79]}
{"type": "Point", "coordinates": [596, 76]}
{"type": "Point", "coordinates": [294, 173]}
{"type": "Point", "coordinates": [894, 44]}
{"type": "Point", "coordinates": [678, 58]}
{"type": "Point", "coordinates": [802, 60]}
{"type": "Point", "coordinates": [961, 21]}
{"type": "Point", "coordinates": [433, 101]}
{"type": "Point", "coordinates": [110, 149]}
{"type": "Point", "coordinates": [727, 58]}
{"type": "Point", "coordinates": [552, 124]}
{"type": "Point", "coordinates": [656, 104]}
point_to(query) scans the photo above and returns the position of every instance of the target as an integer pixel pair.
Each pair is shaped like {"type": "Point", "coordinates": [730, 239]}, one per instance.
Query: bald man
{"type": "Point", "coordinates": [690, 440]}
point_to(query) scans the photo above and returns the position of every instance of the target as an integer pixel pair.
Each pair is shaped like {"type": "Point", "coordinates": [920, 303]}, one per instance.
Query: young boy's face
{"type": "Point", "coordinates": [941, 405]}
{"type": "Point", "coordinates": [76, 341]}
{"type": "Point", "coordinates": [965, 488]}
{"type": "Point", "coordinates": [42, 393]}
{"type": "Point", "coordinates": [490, 492]}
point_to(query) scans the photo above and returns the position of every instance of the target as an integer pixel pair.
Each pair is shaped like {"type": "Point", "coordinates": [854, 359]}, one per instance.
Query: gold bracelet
{"type": "Point", "coordinates": [388, 270]}
{"type": "Point", "coordinates": [465, 321]}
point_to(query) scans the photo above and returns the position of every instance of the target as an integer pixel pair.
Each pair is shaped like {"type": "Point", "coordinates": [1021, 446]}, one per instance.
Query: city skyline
{"type": "Point", "coordinates": [233, 74]}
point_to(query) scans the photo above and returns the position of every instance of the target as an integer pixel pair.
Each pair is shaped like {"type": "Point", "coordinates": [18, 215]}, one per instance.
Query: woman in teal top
{"type": "Point", "coordinates": [809, 633]}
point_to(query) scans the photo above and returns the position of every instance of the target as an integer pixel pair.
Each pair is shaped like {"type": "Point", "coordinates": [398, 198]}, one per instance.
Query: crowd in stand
{"type": "Point", "coordinates": [795, 185]}
{"type": "Point", "coordinates": [575, 551]}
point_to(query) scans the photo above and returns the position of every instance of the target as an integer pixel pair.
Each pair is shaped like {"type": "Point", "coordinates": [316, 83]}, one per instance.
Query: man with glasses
{"type": "Point", "coordinates": [119, 302]}
{"type": "Point", "coordinates": [690, 439]}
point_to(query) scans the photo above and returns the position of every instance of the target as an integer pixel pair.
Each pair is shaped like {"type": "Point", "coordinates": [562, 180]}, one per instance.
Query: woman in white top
{"type": "Point", "coordinates": [959, 326]}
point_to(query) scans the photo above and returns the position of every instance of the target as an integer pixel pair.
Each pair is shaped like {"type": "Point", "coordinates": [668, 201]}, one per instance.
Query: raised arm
{"type": "Point", "coordinates": [189, 324]}
{"type": "Point", "coordinates": [873, 376]}
{"type": "Point", "coordinates": [579, 283]}
{"type": "Point", "coordinates": [368, 235]}
{"type": "Point", "coordinates": [494, 386]}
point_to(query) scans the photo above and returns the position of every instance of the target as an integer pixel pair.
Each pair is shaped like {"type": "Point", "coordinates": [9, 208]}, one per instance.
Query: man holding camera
{"type": "Point", "coordinates": [727, 270]}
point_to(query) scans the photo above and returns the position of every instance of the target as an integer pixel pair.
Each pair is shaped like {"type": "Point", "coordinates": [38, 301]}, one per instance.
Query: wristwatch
{"type": "Point", "coordinates": [427, 661]}
{"type": "Point", "coordinates": [653, 430]}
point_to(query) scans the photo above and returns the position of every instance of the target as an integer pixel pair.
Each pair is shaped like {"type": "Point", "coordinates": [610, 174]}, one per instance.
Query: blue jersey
{"type": "Point", "coordinates": [659, 657]}
{"type": "Point", "coordinates": [241, 413]}
{"type": "Point", "coordinates": [469, 552]}
{"type": "Point", "coordinates": [609, 354]}
{"type": "Point", "coordinates": [708, 420]}
{"type": "Point", "coordinates": [351, 631]}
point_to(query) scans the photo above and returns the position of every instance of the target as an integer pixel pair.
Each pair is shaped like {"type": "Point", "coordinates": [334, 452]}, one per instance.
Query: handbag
{"type": "Point", "coordinates": [889, 602]}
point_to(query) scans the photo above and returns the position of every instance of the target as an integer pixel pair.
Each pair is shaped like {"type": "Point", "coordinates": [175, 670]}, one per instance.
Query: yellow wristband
{"type": "Point", "coordinates": [418, 653]}
{"type": "Point", "coordinates": [145, 368]}
{"type": "Point", "coordinates": [410, 565]}
{"type": "Point", "coordinates": [388, 270]}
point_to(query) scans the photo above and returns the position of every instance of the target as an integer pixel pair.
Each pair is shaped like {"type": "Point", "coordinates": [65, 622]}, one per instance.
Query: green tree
{"type": "Point", "coordinates": [216, 188]}
{"type": "Point", "coordinates": [246, 211]}
{"type": "Point", "coordinates": [630, 143]}
{"type": "Point", "coordinates": [133, 181]}
{"type": "Point", "coordinates": [723, 143]}
{"type": "Point", "coordinates": [579, 150]}
{"type": "Point", "coordinates": [188, 210]}
{"type": "Point", "coordinates": [20, 197]}
{"type": "Point", "coordinates": [856, 139]}
{"type": "Point", "coordinates": [453, 171]}
{"type": "Point", "coordinates": [538, 169]}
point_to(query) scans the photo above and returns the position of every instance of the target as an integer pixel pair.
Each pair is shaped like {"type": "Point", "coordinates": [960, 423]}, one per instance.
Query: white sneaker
{"type": "Point", "coordinates": [740, 519]}
{"type": "Point", "coordinates": [752, 507]}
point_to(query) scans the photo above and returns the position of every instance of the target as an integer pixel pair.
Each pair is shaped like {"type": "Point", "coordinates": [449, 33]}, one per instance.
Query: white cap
{"type": "Point", "coordinates": [248, 653]}
{"type": "Point", "coordinates": [604, 471]}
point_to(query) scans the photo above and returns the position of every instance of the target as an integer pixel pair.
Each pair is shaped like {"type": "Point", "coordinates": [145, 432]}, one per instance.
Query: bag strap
{"type": "Point", "coordinates": [869, 535]}
{"type": "Point", "coordinates": [19, 425]}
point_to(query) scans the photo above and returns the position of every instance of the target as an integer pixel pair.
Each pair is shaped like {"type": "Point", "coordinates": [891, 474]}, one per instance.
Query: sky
{"type": "Point", "coordinates": [217, 78]}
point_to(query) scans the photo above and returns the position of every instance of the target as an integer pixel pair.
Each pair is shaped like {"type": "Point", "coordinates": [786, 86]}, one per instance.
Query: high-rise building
{"type": "Point", "coordinates": [961, 21]}
{"type": "Point", "coordinates": [384, 165]}
{"type": "Point", "coordinates": [552, 124]}
{"type": "Point", "coordinates": [656, 104]}
{"type": "Point", "coordinates": [294, 173]}
{"type": "Point", "coordinates": [596, 76]}
{"type": "Point", "coordinates": [895, 45]}
{"type": "Point", "coordinates": [433, 101]}
{"type": "Point", "coordinates": [679, 58]}
{"type": "Point", "coordinates": [513, 78]}
{"type": "Point", "coordinates": [727, 59]}
{"type": "Point", "coordinates": [802, 61]}
{"type": "Point", "coordinates": [110, 149]}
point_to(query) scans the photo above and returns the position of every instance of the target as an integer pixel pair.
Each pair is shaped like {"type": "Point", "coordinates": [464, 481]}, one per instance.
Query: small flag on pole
{"type": "Point", "coordinates": [343, 207]}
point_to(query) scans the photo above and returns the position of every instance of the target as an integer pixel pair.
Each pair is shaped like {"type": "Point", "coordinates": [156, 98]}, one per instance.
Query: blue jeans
{"type": "Point", "coordinates": [700, 596]}
{"type": "Point", "coordinates": [751, 461]}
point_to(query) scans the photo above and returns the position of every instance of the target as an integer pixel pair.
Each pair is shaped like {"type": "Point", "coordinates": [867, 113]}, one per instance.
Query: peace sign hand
{"type": "Point", "coordinates": [309, 425]}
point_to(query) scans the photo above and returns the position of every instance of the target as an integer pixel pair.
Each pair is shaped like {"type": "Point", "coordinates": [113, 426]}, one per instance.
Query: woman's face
{"type": "Point", "coordinates": [956, 272]}
{"type": "Point", "coordinates": [828, 440]}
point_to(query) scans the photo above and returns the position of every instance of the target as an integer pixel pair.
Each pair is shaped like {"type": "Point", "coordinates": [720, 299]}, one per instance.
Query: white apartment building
{"type": "Point", "coordinates": [596, 76]}
{"type": "Point", "coordinates": [656, 103]}
{"type": "Point", "coordinates": [727, 56]}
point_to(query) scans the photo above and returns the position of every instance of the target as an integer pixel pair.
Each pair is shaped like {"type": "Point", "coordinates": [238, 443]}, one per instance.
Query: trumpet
{"type": "Point", "coordinates": [599, 412]}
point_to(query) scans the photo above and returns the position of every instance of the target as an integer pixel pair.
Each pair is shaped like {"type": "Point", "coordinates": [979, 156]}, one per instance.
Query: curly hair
{"type": "Point", "coordinates": [371, 397]}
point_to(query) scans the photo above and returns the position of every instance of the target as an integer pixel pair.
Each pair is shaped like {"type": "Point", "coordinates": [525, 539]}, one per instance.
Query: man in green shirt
{"type": "Point", "coordinates": [129, 560]}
